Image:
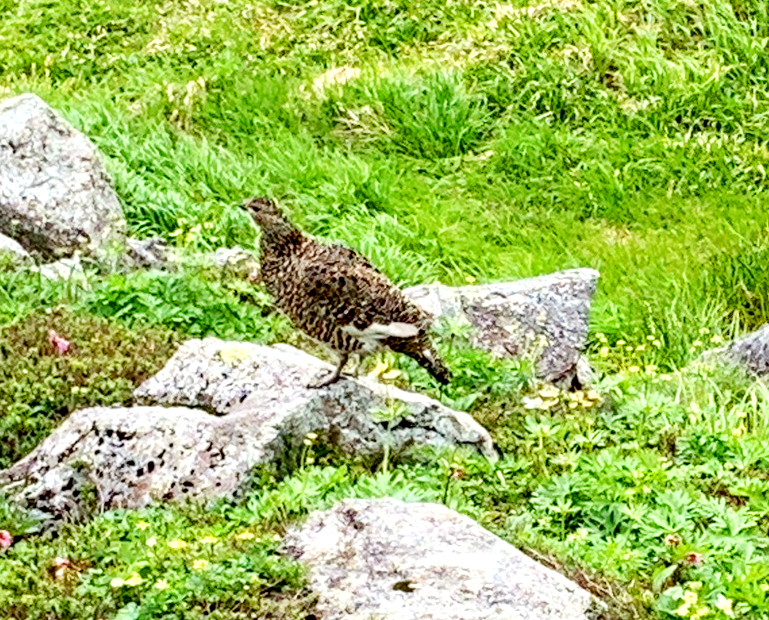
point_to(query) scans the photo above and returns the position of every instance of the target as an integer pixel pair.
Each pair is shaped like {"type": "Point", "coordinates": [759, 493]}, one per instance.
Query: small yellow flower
{"type": "Point", "coordinates": [380, 367]}
{"type": "Point", "coordinates": [200, 564]}
{"type": "Point", "coordinates": [152, 541]}
{"type": "Point", "coordinates": [134, 580]}
{"type": "Point", "coordinates": [641, 347]}
{"type": "Point", "coordinates": [725, 605]}
{"type": "Point", "coordinates": [702, 610]}
{"type": "Point", "coordinates": [764, 587]}
{"type": "Point", "coordinates": [600, 336]}
{"type": "Point", "coordinates": [629, 348]}
{"type": "Point", "coordinates": [312, 436]}
{"type": "Point", "coordinates": [603, 352]}
{"type": "Point", "coordinates": [209, 540]}
{"type": "Point", "coordinates": [246, 536]}
{"type": "Point", "coordinates": [739, 431]}
{"type": "Point", "coordinates": [656, 343]}
{"type": "Point", "coordinates": [704, 331]}
{"type": "Point", "coordinates": [683, 610]}
{"type": "Point", "coordinates": [161, 584]}
{"type": "Point", "coordinates": [697, 343]}
{"type": "Point", "coordinates": [549, 391]}
{"type": "Point", "coordinates": [651, 338]}
{"type": "Point", "coordinates": [176, 544]}
{"type": "Point", "coordinates": [143, 525]}
{"type": "Point", "coordinates": [117, 582]}
{"type": "Point", "coordinates": [393, 373]}
{"type": "Point", "coordinates": [694, 585]}
{"type": "Point", "coordinates": [651, 369]}
{"type": "Point", "coordinates": [633, 369]}
{"type": "Point", "coordinates": [690, 597]}
{"type": "Point", "coordinates": [620, 343]}
{"type": "Point", "coordinates": [717, 339]}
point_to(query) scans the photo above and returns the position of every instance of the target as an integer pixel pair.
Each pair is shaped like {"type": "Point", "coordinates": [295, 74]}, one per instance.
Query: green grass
{"type": "Point", "coordinates": [480, 142]}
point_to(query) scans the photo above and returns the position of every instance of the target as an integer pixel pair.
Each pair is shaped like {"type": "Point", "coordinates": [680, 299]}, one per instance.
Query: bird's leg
{"type": "Point", "coordinates": [334, 376]}
{"type": "Point", "coordinates": [358, 363]}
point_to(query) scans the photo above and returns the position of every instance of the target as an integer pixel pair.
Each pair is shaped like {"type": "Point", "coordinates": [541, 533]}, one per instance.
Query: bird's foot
{"type": "Point", "coordinates": [329, 380]}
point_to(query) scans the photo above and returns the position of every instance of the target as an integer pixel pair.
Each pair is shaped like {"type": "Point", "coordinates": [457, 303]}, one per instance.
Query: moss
{"type": "Point", "coordinates": [40, 386]}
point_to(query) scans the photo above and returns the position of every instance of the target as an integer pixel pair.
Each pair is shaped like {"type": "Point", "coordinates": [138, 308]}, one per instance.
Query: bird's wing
{"type": "Point", "coordinates": [361, 299]}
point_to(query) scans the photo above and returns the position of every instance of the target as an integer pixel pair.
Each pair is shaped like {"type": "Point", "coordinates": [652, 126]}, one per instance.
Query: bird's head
{"type": "Point", "coordinates": [265, 212]}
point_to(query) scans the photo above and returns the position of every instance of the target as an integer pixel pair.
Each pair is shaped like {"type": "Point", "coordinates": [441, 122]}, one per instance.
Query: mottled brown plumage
{"type": "Point", "coordinates": [337, 297]}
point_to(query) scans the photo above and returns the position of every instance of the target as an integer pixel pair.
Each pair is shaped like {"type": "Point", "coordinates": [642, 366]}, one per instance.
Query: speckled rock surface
{"type": "Point", "coordinates": [388, 560]}
{"type": "Point", "coordinates": [546, 316]}
{"type": "Point", "coordinates": [259, 407]}
{"type": "Point", "coordinates": [751, 352]}
{"type": "Point", "coordinates": [55, 196]}
{"type": "Point", "coordinates": [271, 382]}
{"type": "Point", "coordinates": [122, 457]}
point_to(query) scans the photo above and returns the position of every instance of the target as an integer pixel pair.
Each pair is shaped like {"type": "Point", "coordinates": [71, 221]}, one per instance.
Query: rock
{"type": "Point", "coordinates": [146, 253]}
{"type": "Point", "coordinates": [270, 382]}
{"type": "Point", "coordinates": [9, 247]}
{"type": "Point", "coordinates": [66, 269]}
{"type": "Point", "coordinates": [750, 351]}
{"type": "Point", "coordinates": [124, 457]}
{"type": "Point", "coordinates": [55, 196]}
{"type": "Point", "coordinates": [127, 457]}
{"type": "Point", "coordinates": [546, 316]}
{"type": "Point", "coordinates": [235, 261]}
{"type": "Point", "coordinates": [388, 560]}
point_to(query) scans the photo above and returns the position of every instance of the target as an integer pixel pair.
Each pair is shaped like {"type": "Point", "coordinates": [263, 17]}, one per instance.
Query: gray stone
{"type": "Point", "coordinates": [55, 196]}
{"type": "Point", "coordinates": [103, 458]}
{"type": "Point", "coordinates": [124, 457]}
{"type": "Point", "coordinates": [546, 316]}
{"type": "Point", "coordinates": [64, 270]}
{"type": "Point", "coordinates": [146, 253]}
{"type": "Point", "coordinates": [388, 560]}
{"type": "Point", "coordinates": [271, 382]}
{"type": "Point", "coordinates": [10, 247]}
{"type": "Point", "coordinates": [751, 352]}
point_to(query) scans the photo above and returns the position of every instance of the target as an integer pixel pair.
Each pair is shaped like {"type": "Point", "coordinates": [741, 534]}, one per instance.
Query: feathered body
{"type": "Point", "coordinates": [337, 297]}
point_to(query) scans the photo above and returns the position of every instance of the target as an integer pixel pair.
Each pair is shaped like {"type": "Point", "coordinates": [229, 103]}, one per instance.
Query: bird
{"type": "Point", "coordinates": [337, 297]}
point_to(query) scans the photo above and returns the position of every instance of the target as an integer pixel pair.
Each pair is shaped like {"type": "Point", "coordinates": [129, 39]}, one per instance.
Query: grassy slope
{"type": "Point", "coordinates": [480, 142]}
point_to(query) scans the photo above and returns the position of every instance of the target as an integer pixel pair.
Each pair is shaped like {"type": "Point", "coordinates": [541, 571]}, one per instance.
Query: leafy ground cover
{"type": "Point", "coordinates": [460, 141]}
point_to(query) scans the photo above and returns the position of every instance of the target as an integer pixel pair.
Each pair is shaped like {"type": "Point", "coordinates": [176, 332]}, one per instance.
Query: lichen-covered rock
{"type": "Point", "coordinates": [127, 457]}
{"type": "Point", "coordinates": [388, 560]}
{"type": "Point", "coordinates": [271, 382]}
{"type": "Point", "coordinates": [123, 457]}
{"type": "Point", "coordinates": [55, 196]}
{"type": "Point", "coordinates": [546, 316]}
{"type": "Point", "coordinates": [751, 351]}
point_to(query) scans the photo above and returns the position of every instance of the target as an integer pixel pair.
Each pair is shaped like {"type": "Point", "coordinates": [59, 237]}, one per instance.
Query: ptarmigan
{"type": "Point", "coordinates": [337, 297]}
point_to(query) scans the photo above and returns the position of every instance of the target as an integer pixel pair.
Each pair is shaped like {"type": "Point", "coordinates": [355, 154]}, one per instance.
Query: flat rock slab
{"type": "Point", "coordinates": [546, 316]}
{"type": "Point", "coordinates": [270, 382]}
{"type": "Point", "coordinates": [388, 560]}
{"type": "Point", "coordinates": [55, 196]}
{"type": "Point", "coordinates": [127, 457]}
